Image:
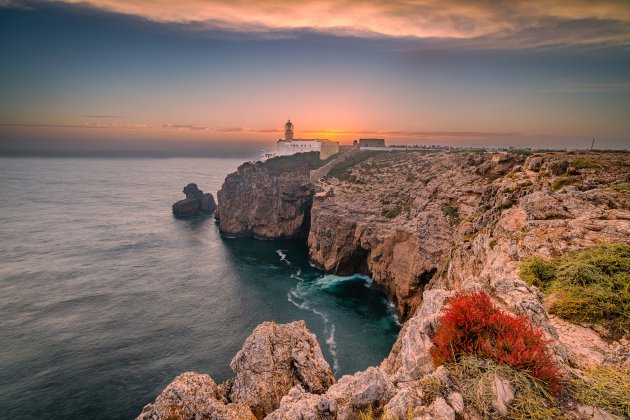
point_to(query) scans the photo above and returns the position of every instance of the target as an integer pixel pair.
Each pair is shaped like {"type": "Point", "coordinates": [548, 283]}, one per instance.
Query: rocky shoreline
{"type": "Point", "coordinates": [423, 227]}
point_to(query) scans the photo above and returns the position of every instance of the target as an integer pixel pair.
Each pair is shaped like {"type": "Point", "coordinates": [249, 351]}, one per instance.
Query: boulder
{"type": "Point", "coordinates": [441, 410]}
{"type": "Point", "coordinates": [354, 393]}
{"type": "Point", "coordinates": [195, 202]}
{"type": "Point", "coordinates": [303, 405]}
{"type": "Point", "coordinates": [274, 359]}
{"type": "Point", "coordinates": [193, 396]}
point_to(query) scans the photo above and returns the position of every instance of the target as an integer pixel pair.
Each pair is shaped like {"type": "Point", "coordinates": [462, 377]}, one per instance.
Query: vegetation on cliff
{"type": "Point", "coordinates": [309, 160]}
{"type": "Point", "coordinates": [588, 286]}
{"type": "Point", "coordinates": [473, 325]}
{"type": "Point", "coordinates": [606, 387]}
{"type": "Point", "coordinates": [477, 378]}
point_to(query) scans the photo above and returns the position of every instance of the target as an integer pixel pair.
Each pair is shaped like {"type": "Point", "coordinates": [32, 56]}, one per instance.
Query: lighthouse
{"type": "Point", "coordinates": [288, 131]}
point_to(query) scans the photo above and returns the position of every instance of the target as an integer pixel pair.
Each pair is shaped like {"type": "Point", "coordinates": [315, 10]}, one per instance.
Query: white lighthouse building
{"type": "Point", "coordinates": [290, 146]}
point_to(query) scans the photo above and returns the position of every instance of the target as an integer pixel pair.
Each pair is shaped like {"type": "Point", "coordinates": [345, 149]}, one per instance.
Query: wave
{"type": "Point", "coordinates": [332, 348]}
{"type": "Point", "coordinates": [283, 256]}
{"type": "Point", "coordinates": [333, 279]}
{"type": "Point", "coordinates": [298, 296]}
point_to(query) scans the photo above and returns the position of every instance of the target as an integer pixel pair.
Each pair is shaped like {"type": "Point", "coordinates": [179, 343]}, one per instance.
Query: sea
{"type": "Point", "coordinates": [105, 297]}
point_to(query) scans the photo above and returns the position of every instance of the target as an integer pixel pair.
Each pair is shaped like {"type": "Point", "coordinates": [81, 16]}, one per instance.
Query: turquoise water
{"type": "Point", "coordinates": [105, 297]}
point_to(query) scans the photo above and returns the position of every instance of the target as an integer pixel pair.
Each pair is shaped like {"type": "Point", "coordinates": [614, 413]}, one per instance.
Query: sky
{"type": "Point", "coordinates": [198, 76]}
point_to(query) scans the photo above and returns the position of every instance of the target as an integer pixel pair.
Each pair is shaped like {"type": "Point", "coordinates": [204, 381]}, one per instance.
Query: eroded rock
{"type": "Point", "coordinates": [193, 396]}
{"type": "Point", "coordinates": [266, 202]}
{"type": "Point", "coordinates": [195, 202]}
{"type": "Point", "coordinates": [274, 359]}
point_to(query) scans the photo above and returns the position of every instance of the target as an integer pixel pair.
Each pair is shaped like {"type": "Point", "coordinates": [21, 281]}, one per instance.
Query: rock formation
{"type": "Point", "coordinates": [193, 396]}
{"type": "Point", "coordinates": [423, 226]}
{"type": "Point", "coordinates": [267, 199]}
{"type": "Point", "coordinates": [274, 359]}
{"type": "Point", "coordinates": [195, 202]}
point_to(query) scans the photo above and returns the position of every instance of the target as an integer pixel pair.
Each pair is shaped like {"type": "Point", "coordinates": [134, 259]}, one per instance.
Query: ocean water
{"type": "Point", "coordinates": [105, 297]}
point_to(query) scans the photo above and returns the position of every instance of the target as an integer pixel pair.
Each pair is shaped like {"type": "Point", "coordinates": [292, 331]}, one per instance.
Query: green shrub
{"type": "Point", "coordinates": [563, 181]}
{"type": "Point", "coordinates": [343, 170]}
{"type": "Point", "coordinates": [452, 213]}
{"type": "Point", "coordinates": [605, 387]}
{"type": "Point", "coordinates": [583, 163]}
{"type": "Point", "coordinates": [538, 272]}
{"type": "Point", "coordinates": [589, 286]}
{"type": "Point", "coordinates": [391, 213]}
{"type": "Point", "coordinates": [309, 160]}
{"type": "Point", "coordinates": [621, 188]}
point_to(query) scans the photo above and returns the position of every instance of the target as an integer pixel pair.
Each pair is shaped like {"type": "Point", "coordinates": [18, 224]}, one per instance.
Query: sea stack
{"type": "Point", "coordinates": [196, 202]}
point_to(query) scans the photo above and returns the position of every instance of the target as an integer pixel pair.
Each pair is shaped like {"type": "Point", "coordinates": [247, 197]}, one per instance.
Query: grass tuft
{"type": "Point", "coordinates": [583, 163]}
{"type": "Point", "coordinates": [452, 213]}
{"type": "Point", "coordinates": [474, 377]}
{"type": "Point", "coordinates": [605, 387]}
{"type": "Point", "coordinates": [563, 181]}
{"type": "Point", "coordinates": [589, 286]}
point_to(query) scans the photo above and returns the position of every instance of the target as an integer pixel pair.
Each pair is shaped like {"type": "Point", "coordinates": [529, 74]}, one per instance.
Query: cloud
{"type": "Point", "coordinates": [512, 24]}
{"type": "Point", "coordinates": [317, 133]}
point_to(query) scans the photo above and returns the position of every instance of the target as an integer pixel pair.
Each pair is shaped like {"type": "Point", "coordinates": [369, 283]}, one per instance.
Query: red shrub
{"type": "Point", "coordinates": [473, 325]}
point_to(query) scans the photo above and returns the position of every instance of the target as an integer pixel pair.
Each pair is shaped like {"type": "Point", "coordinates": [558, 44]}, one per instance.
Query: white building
{"type": "Point", "coordinates": [290, 146]}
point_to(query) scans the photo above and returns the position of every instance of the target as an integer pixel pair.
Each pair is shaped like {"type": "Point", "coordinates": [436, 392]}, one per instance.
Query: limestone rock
{"type": "Point", "coordinates": [588, 412]}
{"type": "Point", "coordinates": [410, 359]}
{"type": "Point", "coordinates": [557, 166]}
{"type": "Point", "coordinates": [456, 400]}
{"type": "Point", "coordinates": [275, 358]}
{"type": "Point", "coordinates": [193, 396]}
{"type": "Point", "coordinates": [504, 395]}
{"type": "Point", "coordinates": [356, 392]}
{"type": "Point", "coordinates": [195, 202]}
{"type": "Point", "coordinates": [407, 399]}
{"type": "Point", "coordinates": [441, 410]}
{"type": "Point", "coordinates": [263, 201]}
{"type": "Point", "coordinates": [298, 404]}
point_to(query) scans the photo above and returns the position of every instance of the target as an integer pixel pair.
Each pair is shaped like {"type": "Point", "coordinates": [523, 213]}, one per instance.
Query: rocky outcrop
{"type": "Point", "coordinates": [269, 200]}
{"type": "Point", "coordinates": [274, 359]}
{"type": "Point", "coordinates": [195, 202]}
{"type": "Point", "coordinates": [193, 396]}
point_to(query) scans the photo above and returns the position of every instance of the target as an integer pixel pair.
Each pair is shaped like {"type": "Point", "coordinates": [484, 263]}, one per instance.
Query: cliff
{"type": "Point", "coordinates": [427, 227]}
{"type": "Point", "coordinates": [269, 199]}
{"type": "Point", "coordinates": [413, 220]}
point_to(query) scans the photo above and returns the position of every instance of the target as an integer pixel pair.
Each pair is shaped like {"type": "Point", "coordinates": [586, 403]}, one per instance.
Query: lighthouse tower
{"type": "Point", "coordinates": [288, 131]}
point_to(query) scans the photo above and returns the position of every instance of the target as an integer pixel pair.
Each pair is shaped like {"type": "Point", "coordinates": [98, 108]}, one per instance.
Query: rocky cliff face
{"type": "Point", "coordinates": [414, 221]}
{"type": "Point", "coordinates": [269, 200]}
{"type": "Point", "coordinates": [425, 226]}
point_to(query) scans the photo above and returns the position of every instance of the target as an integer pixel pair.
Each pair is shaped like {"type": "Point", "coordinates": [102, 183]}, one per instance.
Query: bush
{"type": "Point", "coordinates": [452, 213]}
{"type": "Point", "coordinates": [538, 272]}
{"type": "Point", "coordinates": [473, 325]}
{"type": "Point", "coordinates": [583, 163]}
{"type": "Point", "coordinates": [391, 213]}
{"type": "Point", "coordinates": [342, 170]}
{"type": "Point", "coordinates": [589, 286]}
{"type": "Point", "coordinates": [605, 387]}
{"type": "Point", "coordinates": [309, 160]}
{"type": "Point", "coordinates": [563, 181]}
